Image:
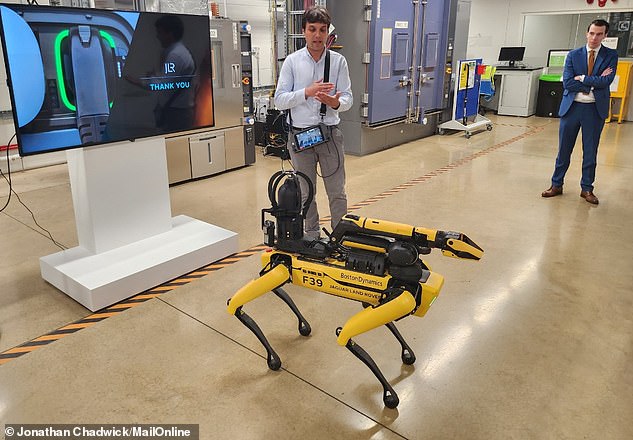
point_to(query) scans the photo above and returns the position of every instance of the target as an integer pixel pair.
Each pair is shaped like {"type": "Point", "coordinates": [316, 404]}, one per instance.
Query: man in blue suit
{"type": "Point", "coordinates": [589, 71]}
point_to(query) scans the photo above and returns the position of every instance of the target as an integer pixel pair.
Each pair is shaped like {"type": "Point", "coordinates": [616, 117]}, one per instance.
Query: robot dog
{"type": "Point", "coordinates": [374, 262]}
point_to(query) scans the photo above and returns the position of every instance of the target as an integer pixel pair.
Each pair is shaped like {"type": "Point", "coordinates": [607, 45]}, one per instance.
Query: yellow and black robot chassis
{"type": "Point", "coordinates": [374, 262]}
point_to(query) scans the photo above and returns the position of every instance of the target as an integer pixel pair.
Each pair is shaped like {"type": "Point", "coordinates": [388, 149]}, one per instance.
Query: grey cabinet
{"type": "Point", "coordinates": [518, 91]}
{"type": "Point", "coordinates": [207, 154]}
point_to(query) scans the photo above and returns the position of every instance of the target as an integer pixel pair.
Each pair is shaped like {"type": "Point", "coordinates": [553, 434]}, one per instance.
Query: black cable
{"type": "Point", "coordinates": [9, 173]}
{"type": "Point", "coordinates": [338, 157]}
{"type": "Point", "coordinates": [7, 177]}
{"type": "Point", "coordinates": [62, 247]}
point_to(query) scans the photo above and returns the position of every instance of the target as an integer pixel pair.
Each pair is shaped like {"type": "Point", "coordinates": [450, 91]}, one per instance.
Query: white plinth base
{"type": "Point", "coordinates": [99, 280]}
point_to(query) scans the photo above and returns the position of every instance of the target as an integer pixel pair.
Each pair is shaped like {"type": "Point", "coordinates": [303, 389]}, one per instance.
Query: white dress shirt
{"type": "Point", "coordinates": [299, 71]}
{"type": "Point", "coordinates": [587, 97]}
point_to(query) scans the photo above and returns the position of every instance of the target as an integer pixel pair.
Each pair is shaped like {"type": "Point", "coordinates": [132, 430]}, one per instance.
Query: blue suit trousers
{"type": "Point", "coordinates": [585, 116]}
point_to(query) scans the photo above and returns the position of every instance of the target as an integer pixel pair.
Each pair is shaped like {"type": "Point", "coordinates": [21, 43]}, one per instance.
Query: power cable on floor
{"type": "Point", "coordinates": [9, 173]}
{"type": "Point", "coordinates": [7, 177]}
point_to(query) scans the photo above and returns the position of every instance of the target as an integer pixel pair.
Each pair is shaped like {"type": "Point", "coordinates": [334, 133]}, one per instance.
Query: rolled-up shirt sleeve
{"type": "Point", "coordinates": [344, 85]}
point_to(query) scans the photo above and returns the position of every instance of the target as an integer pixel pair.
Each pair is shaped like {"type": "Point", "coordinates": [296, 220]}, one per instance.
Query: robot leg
{"type": "Point", "coordinates": [271, 280]}
{"type": "Point", "coordinates": [369, 319]}
{"type": "Point", "coordinates": [304, 327]}
{"type": "Point", "coordinates": [407, 355]}
{"type": "Point", "coordinates": [274, 278]}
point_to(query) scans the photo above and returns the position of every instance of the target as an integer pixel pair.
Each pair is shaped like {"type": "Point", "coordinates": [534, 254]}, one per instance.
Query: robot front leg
{"type": "Point", "coordinates": [407, 355]}
{"type": "Point", "coordinates": [271, 280]}
{"type": "Point", "coordinates": [368, 319]}
{"type": "Point", "coordinates": [272, 358]}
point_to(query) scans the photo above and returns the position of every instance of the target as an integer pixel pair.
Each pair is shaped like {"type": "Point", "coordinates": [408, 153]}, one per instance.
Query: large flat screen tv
{"type": "Point", "coordinates": [80, 77]}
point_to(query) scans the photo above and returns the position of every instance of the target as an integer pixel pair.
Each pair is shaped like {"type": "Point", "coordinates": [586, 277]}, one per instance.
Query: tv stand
{"type": "Point", "coordinates": [128, 241]}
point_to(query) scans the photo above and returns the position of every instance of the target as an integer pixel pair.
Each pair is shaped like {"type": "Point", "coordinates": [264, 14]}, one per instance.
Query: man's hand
{"type": "Point", "coordinates": [318, 87]}
{"type": "Point", "coordinates": [329, 100]}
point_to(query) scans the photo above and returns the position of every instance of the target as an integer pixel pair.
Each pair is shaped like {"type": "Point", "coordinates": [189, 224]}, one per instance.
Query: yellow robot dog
{"type": "Point", "coordinates": [374, 262]}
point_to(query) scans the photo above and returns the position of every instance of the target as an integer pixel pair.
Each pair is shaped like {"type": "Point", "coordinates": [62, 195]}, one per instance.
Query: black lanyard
{"type": "Point", "coordinates": [326, 78]}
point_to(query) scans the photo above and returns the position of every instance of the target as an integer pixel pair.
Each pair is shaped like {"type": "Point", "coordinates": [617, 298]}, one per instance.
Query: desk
{"type": "Point", "coordinates": [517, 90]}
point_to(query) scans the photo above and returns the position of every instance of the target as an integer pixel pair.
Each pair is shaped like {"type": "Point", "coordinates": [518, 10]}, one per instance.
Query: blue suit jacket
{"type": "Point", "coordinates": [576, 64]}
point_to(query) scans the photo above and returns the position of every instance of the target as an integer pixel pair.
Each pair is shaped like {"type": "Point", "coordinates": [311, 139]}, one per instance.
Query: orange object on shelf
{"type": "Point", "coordinates": [215, 9]}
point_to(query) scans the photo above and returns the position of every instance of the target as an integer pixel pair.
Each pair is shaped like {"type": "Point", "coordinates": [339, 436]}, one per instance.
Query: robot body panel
{"type": "Point", "coordinates": [339, 281]}
{"type": "Point", "coordinates": [430, 291]}
{"type": "Point", "coordinates": [332, 278]}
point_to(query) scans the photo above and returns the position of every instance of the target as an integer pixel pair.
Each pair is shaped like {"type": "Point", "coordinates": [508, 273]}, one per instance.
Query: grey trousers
{"type": "Point", "coordinates": [331, 159]}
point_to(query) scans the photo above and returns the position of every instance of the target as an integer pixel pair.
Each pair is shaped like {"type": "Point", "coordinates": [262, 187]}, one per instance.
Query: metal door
{"type": "Point", "coordinates": [234, 148]}
{"type": "Point", "coordinates": [390, 58]}
{"type": "Point", "coordinates": [434, 36]}
{"type": "Point", "coordinates": [226, 71]}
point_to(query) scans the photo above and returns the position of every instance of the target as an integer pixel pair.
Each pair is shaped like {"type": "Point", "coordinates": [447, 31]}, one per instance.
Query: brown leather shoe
{"type": "Point", "coordinates": [590, 197]}
{"type": "Point", "coordinates": [552, 191]}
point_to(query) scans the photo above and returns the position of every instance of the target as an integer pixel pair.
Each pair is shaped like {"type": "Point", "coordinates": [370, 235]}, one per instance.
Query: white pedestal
{"type": "Point", "coordinates": [128, 242]}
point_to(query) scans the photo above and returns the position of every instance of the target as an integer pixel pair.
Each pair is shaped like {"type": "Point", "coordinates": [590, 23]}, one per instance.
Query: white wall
{"type": "Point", "coordinates": [496, 23]}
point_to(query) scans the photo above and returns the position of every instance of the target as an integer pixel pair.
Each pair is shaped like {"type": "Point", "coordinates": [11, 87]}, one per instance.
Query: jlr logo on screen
{"type": "Point", "coordinates": [170, 67]}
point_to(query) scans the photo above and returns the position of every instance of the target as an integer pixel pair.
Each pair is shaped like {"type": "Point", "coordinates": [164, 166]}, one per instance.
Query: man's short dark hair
{"type": "Point", "coordinates": [600, 23]}
{"type": "Point", "coordinates": [171, 24]}
{"type": "Point", "coordinates": [316, 14]}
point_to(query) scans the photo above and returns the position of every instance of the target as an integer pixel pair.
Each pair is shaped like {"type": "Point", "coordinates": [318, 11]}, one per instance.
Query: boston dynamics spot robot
{"type": "Point", "coordinates": [374, 262]}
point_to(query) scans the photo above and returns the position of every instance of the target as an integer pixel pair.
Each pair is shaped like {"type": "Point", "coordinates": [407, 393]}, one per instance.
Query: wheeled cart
{"type": "Point", "coordinates": [465, 113]}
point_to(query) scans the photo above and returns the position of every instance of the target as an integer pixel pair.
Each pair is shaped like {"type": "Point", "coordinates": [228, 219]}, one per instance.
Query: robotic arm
{"type": "Point", "coordinates": [355, 229]}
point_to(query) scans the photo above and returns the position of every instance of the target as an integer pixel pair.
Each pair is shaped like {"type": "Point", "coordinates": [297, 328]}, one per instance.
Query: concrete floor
{"type": "Point", "coordinates": [535, 341]}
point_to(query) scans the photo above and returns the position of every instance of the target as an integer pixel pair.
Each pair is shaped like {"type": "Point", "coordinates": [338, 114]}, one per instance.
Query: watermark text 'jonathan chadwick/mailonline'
{"type": "Point", "coordinates": [94, 431]}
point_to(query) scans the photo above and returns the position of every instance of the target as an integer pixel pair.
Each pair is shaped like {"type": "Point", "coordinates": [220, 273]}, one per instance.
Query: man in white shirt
{"type": "Point", "coordinates": [302, 91]}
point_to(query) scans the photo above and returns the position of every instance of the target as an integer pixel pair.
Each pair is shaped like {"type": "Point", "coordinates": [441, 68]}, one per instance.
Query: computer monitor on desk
{"type": "Point", "coordinates": [511, 55]}
{"type": "Point", "coordinates": [556, 58]}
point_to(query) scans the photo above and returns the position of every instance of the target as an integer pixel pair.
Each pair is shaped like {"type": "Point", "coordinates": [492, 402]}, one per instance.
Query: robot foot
{"type": "Point", "coordinates": [274, 363]}
{"type": "Point", "coordinates": [389, 396]}
{"type": "Point", "coordinates": [304, 326]}
{"type": "Point", "coordinates": [408, 357]}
